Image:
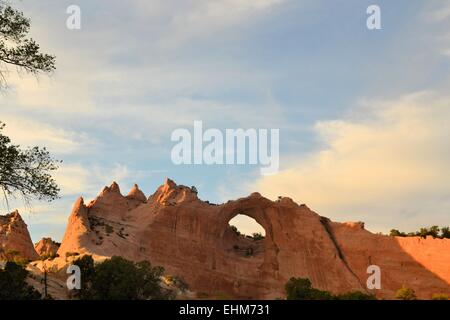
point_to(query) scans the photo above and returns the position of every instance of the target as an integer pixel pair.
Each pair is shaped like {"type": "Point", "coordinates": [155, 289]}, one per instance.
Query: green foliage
{"type": "Point", "coordinates": [257, 236]}
{"type": "Point", "coordinates": [396, 233]}
{"type": "Point", "coordinates": [440, 296]}
{"type": "Point", "coordinates": [445, 232]}
{"type": "Point", "coordinates": [434, 231]}
{"type": "Point", "coordinates": [16, 48]}
{"type": "Point", "coordinates": [301, 289]}
{"type": "Point", "coordinates": [26, 171]}
{"type": "Point", "coordinates": [355, 295]}
{"type": "Point", "coordinates": [13, 285]}
{"type": "Point", "coordinates": [120, 279]}
{"type": "Point", "coordinates": [87, 270]}
{"type": "Point", "coordinates": [405, 293]}
{"type": "Point", "coordinates": [235, 230]}
{"type": "Point", "coordinates": [14, 256]}
{"type": "Point", "coordinates": [23, 172]}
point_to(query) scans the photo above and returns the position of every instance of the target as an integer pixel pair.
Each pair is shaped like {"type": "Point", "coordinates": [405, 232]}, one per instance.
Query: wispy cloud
{"type": "Point", "coordinates": [440, 11]}
{"type": "Point", "coordinates": [190, 20]}
{"type": "Point", "coordinates": [28, 132]}
{"type": "Point", "coordinates": [76, 179]}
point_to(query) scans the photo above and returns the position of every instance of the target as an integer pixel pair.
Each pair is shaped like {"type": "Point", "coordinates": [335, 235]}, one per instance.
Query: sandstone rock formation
{"type": "Point", "coordinates": [46, 247]}
{"type": "Point", "coordinates": [192, 239]}
{"type": "Point", "coordinates": [15, 238]}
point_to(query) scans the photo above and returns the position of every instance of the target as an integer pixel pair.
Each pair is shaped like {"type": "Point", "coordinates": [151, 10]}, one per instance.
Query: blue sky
{"type": "Point", "coordinates": [137, 70]}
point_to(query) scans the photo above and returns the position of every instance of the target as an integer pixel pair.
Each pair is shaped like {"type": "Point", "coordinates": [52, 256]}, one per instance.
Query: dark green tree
{"type": "Point", "coordinates": [13, 285]}
{"type": "Point", "coordinates": [434, 231]}
{"type": "Point", "coordinates": [445, 232]}
{"type": "Point", "coordinates": [301, 289]}
{"type": "Point", "coordinates": [26, 172]}
{"type": "Point", "coordinates": [119, 279]}
{"type": "Point", "coordinates": [87, 270]}
{"type": "Point", "coordinates": [257, 236]}
{"type": "Point", "coordinates": [423, 232]}
{"type": "Point", "coordinates": [16, 48]}
{"type": "Point", "coordinates": [396, 233]}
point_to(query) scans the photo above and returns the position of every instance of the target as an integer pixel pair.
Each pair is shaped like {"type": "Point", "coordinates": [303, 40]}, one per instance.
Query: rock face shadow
{"type": "Point", "coordinates": [418, 263]}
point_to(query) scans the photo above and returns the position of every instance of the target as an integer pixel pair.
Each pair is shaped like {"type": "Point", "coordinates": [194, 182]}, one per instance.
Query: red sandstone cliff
{"type": "Point", "coordinates": [191, 238]}
{"type": "Point", "coordinates": [15, 238]}
{"type": "Point", "coordinates": [46, 247]}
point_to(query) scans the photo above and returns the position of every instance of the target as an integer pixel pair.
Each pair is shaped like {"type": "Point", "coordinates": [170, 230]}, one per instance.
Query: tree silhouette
{"type": "Point", "coordinates": [26, 172]}
{"type": "Point", "coordinates": [16, 48]}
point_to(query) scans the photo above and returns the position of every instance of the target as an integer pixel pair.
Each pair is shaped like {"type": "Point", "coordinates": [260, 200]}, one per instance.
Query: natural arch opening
{"type": "Point", "coordinates": [244, 225]}
{"type": "Point", "coordinates": [245, 237]}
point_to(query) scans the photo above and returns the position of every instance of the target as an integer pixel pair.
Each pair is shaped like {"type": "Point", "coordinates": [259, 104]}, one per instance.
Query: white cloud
{"type": "Point", "coordinates": [88, 180]}
{"type": "Point", "coordinates": [28, 133]}
{"type": "Point", "coordinates": [386, 165]}
{"type": "Point", "coordinates": [440, 12]}
{"type": "Point", "coordinates": [203, 18]}
{"type": "Point", "coordinates": [58, 94]}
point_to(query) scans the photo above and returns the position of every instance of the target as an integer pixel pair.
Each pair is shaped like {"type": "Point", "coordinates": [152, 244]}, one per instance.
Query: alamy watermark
{"type": "Point", "coordinates": [74, 280]}
{"type": "Point", "coordinates": [374, 280]}
{"type": "Point", "coordinates": [232, 147]}
{"type": "Point", "coordinates": [373, 21]}
{"type": "Point", "coordinates": [73, 22]}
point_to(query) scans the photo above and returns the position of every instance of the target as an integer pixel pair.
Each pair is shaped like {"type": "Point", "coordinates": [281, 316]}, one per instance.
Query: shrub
{"type": "Point", "coordinates": [396, 233]}
{"type": "Point", "coordinates": [445, 232]}
{"type": "Point", "coordinates": [235, 230]}
{"type": "Point", "coordinates": [257, 236]}
{"type": "Point", "coordinates": [86, 265]}
{"type": "Point", "coordinates": [301, 289]}
{"type": "Point", "coordinates": [356, 295]}
{"type": "Point", "coordinates": [434, 231]}
{"type": "Point", "coordinates": [405, 293]}
{"type": "Point", "coordinates": [439, 296]}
